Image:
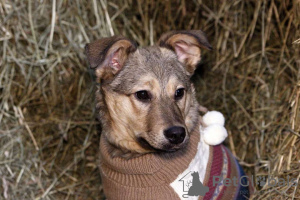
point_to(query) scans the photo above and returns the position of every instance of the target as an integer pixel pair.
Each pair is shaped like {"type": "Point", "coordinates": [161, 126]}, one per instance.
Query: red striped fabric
{"type": "Point", "coordinates": [216, 169]}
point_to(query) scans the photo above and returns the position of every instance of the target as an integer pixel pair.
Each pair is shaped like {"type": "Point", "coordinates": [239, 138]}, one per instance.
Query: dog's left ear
{"type": "Point", "coordinates": [187, 45]}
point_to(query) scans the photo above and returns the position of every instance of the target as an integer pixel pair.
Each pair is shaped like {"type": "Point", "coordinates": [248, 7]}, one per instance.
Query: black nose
{"type": "Point", "coordinates": [175, 134]}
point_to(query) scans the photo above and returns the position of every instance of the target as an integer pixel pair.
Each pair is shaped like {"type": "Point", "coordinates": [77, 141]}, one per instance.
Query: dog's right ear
{"type": "Point", "coordinates": [108, 55]}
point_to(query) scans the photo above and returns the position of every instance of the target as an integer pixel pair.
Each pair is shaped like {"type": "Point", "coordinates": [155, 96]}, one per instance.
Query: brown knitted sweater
{"type": "Point", "coordinates": [149, 176]}
{"type": "Point", "coordinates": [145, 177]}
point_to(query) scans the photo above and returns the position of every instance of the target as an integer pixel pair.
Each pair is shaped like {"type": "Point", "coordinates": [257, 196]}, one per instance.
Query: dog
{"type": "Point", "coordinates": [151, 127]}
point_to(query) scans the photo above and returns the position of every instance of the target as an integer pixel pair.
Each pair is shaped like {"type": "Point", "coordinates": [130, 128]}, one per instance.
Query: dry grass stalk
{"type": "Point", "coordinates": [48, 139]}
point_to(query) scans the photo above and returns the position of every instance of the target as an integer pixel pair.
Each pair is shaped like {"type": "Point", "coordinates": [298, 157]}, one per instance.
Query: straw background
{"type": "Point", "coordinates": [48, 132]}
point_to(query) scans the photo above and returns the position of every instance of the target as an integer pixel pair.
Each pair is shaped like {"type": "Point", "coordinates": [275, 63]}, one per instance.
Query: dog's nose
{"type": "Point", "coordinates": [175, 134]}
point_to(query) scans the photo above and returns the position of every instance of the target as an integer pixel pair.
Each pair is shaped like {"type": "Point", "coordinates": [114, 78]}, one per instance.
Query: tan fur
{"type": "Point", "coordinates": [193, 50]}
{"type": "Point", "coordinates": [133, 126]}
{"type": "Point", "coordinates": [148, 82]}
{"type": "Point", "coordinates": [168, 53]}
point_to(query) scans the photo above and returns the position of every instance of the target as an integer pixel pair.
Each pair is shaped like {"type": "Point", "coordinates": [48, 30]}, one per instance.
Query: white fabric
{"type": "Point", "coordinates": [198, 164]}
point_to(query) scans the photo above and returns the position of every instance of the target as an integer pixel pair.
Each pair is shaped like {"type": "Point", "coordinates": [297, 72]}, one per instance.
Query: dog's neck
{"type": "Point", "coordinates": [159, 175]}
{"type": "Point", "coordinates": [150, 161]}
{"type": "Point", "coordinates": [152, 170]}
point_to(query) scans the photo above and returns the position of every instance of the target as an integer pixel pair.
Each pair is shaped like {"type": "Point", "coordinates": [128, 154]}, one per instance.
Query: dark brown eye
{"type": "Point", "coordinates": [143, 95]}
{"type": "Point", "coordinates": [179, 93]}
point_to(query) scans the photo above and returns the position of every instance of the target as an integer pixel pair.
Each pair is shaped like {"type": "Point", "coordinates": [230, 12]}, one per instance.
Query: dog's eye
{"type": "Point", "coordinates": [179, 93]}
{"type": "Point", "coordinates": [143, 95]}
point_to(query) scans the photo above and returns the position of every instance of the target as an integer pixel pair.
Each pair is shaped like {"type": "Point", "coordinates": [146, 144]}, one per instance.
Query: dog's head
{"type": "Point", "coordinates": [145, 98]}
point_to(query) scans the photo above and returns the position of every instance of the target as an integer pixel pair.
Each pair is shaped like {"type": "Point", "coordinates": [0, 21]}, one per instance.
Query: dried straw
{"type": "Point", "coordinates": [48, 137]}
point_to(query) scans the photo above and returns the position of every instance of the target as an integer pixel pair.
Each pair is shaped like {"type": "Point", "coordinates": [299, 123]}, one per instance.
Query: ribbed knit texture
{"type": "Point", "coordinates": [145, 177]}
{"type": "Point", "coordinates": [222, 163]}
{"type": "Point", "coordinates": [215, 170]}
{"type": "Point", "coordinates": [149, 176]}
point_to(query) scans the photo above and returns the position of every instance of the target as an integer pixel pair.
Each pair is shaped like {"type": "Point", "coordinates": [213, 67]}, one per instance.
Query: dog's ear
{"type": "Point", "coordinates": [108, 55]}
{"type": "Point", "coordinates": [187, 45]}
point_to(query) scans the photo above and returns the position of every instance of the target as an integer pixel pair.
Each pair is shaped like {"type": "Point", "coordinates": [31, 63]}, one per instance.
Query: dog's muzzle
{"type": "Point", "coordinates": [175, 134]}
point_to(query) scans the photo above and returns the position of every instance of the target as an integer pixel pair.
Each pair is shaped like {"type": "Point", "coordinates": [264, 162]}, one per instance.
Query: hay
{"type": "Point", "coordinates": [48, 138]}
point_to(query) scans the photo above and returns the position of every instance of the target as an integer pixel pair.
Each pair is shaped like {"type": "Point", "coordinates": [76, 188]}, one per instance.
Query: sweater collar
{"type": "Point", "coordinates": [151, 162]}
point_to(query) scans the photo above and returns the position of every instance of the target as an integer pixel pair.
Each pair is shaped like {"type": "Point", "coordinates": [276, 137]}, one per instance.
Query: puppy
{"type": "Point", "coordinates": [150, 122]}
